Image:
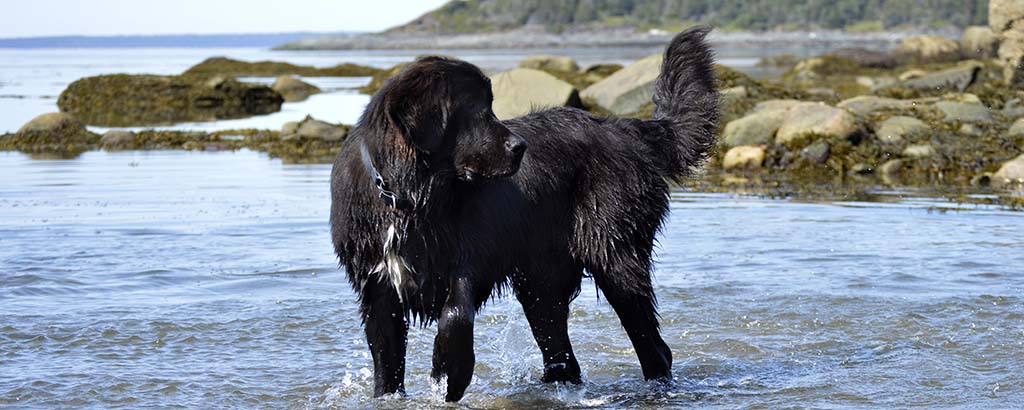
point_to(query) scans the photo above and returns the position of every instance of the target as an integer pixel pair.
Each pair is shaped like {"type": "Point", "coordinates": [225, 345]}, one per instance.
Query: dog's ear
{"type": "Point", "coordinates": [418, 108]}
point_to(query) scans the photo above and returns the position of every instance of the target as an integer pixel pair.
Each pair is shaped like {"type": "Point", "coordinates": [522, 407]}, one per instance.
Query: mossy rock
{"type": "Point", "coordinates": [236, 68]}
{"type": "Point", "coordinates": [52, 132]}
{"type": "Point", "coordinates": [294, 89]}
{"type": "Point", "coordinates": [124, 100]}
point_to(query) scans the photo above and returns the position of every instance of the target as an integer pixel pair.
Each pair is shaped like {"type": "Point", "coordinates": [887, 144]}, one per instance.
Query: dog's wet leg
{"type": "Point", "coordinates": [453, 346]}
{"type": "Point", "coordinates": [636, 309]}
{"type": "Point", "coordinates": [546, 305]}
{"type": "Point", "coordinates": [386, 332]}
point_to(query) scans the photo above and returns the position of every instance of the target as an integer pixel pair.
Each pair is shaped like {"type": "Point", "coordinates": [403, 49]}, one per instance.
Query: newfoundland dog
{"type": "Point", "coordinates": [436, 204]}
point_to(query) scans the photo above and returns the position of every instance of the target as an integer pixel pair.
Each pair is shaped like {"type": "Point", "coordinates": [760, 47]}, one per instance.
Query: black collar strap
{"type": "Point", "coordinates": [389, 197]}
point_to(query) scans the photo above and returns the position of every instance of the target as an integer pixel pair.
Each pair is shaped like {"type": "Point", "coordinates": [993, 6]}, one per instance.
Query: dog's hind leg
{"type": "Point", "coordinates": [386, 332]}
{"type": "Point", "coordinates": [453, 346]}
{"type": "Point", "coordinates": [634, 303]}
{"type": "Point", "coordinates": [545, 294]}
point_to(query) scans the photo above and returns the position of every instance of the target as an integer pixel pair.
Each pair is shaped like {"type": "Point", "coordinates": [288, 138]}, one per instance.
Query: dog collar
{"type": "Point", "coordinates": [389, 197]}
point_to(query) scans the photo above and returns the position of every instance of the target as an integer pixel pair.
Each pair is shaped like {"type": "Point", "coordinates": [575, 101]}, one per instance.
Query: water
{"type": "Point", "coordinates": [207, 280]}
{"type": "Point", "coordinates": [32, 79]}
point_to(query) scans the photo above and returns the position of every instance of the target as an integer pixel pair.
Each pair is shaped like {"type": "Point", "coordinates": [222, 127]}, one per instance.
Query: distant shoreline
{"type": "Point", "coordinates": [261, 40]}
{"type": "Point", "coordinates": [527, 38]}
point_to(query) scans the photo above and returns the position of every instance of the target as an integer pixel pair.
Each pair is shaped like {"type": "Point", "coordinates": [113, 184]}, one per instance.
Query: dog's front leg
{"type": "Point", "coordinates": [386, 333]}
{"type": "Point", "coordinates": [453, 346]}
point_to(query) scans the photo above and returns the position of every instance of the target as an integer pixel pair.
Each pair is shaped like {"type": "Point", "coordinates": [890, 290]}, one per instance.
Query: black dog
{"type": "Point", "coordinates": [430, 215]}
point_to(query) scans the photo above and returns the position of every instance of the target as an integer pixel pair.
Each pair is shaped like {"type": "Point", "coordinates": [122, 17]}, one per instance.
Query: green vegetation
{"type": "Point", "coordinates": [236, 68]}
{"type": "Point", "coordinates": [492, 15]}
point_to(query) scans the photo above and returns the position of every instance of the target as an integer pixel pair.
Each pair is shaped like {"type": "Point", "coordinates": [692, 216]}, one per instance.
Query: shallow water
{"type": "Point", "coordinates": [207, 280]}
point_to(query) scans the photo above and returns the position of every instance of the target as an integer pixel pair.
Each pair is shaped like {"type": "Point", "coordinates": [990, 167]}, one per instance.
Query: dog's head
{"type": "Point", "coordinates": [441, 108]}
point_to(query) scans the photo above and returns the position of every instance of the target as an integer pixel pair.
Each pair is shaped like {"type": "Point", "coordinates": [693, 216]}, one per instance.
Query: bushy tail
{"type": "Point", "coordinates": [686, 101]}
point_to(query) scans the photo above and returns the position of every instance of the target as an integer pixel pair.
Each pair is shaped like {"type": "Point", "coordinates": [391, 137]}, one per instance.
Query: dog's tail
{"type": "Point", "coordinates": [686, 102]}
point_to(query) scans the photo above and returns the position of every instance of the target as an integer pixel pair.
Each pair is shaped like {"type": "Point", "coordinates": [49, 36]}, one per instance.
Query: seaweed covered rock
{"type": "Point", "coordinates": [523, 90]}
{"type": "Point", "coordinates": [122, 100]}
{"type": "Point", "coordinates": [117, 139]}
{"type": "Point", "coordinates": [293, 89]}
{"type": "Point", "coordinates": [979, 42]}
{"type": "Point", "coordinates": [550, 63]}
{"type": "Point", "coordinates": [1010, 173]}
{"type": "Point", "coordinates": [53, 131]}
{"type": "Point", "coordinates": [629, 89]}
{"type": "Point", "coordinates": [236, 68]}
{"type": "Point", "coordinates": [929, 49]}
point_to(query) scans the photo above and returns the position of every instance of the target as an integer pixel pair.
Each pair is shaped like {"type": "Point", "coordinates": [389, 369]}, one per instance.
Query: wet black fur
{"type": "Point", "coordinates": [589, 196]}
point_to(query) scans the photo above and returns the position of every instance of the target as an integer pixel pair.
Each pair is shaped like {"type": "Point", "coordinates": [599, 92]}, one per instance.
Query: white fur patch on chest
{"type": "Point", "coordinates": [392, 266]}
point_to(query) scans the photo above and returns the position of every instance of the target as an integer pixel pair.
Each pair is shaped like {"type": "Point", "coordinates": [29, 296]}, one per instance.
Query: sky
{"type": "Point", "coordinates": [34, 18]}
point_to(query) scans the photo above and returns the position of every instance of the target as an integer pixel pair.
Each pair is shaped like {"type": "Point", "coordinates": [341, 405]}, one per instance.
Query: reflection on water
{"type": "Point", "coordinates": [162, 279]}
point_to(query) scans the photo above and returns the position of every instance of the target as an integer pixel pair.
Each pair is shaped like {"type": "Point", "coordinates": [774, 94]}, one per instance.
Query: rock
{"type": "Point", "coordinates": [779, 61]}
{"type": "Point", "coordinates": [1003, 12]}
{"type": "Point", "coordinates": [598, 72]}
{"type": "Point", "coordinates": [895, 129]}
{"type": "Point", "coordinates": [750, 157]}
{"type": "Point", "coordinates": [890, 171]}
{"type": "Point", "coordinates": [866, 58]}
{"type": "Point", "coordinates": [954, 79]}
{"type": "Point", "coordinates": [775, 105]}
{"type": "Point", "coordinates": [236, 68]}
{"type": "Point", "coordinates": [123, 100]}
{"type": "Point", "coordinates": [979, 42]}
{"type": "Point", "coordinates": [550, 63]}
{"type": "Point", "coordinates": [754, 129]}
{"type": "Point", "coordinates": [1013, 108]}
{"type": "Point", "coordinates": [1017, 129]}
{"type": "Point", "coordinates": [964, 112]}
{"type": "Point", "coordinates": [629, 89]}
{"type": "Point", "coordinates": [928, 48]}
{"type": "Point", "coordinates": [1011, 173]}
{"type": "Point", "coordinates": [816, 119]}
{"type": "Point", "coordinates": [310, 128]}
{"type": "Point", "coordinates": [919, 151]}
{"type": "Point", "coordinates": [862, 169]}
{"type": "Point", "coordinates": [293, 89]}
{"type": "Point", "coordinates": [116, 139]}
{"type": "Point", "coordinates": [983, 179]}
{"type": "Point", "coordinates": [54, 128]}
{"type": "Point", "coordinates": [816, 153]}
{"type": "Point", "coordinates": [1006, 18]}
{"type": "Point", "coordinates": [970, 130]}
{"type": "Point", "coordinates": [865, 105]}
{"type": "Point", "coordinates": [912, 74]}
{"type": "Point", "coordinates": [736, 93]}
{"type": "Point", "coordinates": [524, 90]}
{"type": "Point", "coordinates": [822, 92]}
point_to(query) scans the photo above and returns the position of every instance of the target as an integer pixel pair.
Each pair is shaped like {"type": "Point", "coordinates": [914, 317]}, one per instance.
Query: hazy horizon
{"type": "Point", "coordinates": [104, 18]}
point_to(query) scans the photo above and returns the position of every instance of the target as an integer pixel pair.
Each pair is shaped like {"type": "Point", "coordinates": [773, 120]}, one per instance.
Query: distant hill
{"type": "Point", "coordinates": [476, 16]}
{"type": "Point", "coordinates": [159, 41]}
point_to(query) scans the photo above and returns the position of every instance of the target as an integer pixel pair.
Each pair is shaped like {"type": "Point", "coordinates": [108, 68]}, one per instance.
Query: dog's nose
{"type": "Point", "coordinates": [516, 145]}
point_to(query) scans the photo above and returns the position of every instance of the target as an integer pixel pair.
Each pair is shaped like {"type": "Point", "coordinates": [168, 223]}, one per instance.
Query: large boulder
{"type": "Point", "coordinates": [817, 119]}
{"type": "Point", "coordinates": [896, 129]}
{"type": "Point", "coordinates": [523, 90]}
{"type": "Point", "coordinates": [629, 89]}
{"type": "Point", "coordinates": [123, 100]}
{"type": "Point", "coordinates": [550, 63]}
{"type": "Point", "coordinates": [952, 79]}
{"type": "Point", "coordinates": [979, 42]}
{"type": "Point", "coordinates": [293, 89]}
{"type": "Point", "coordinates": [1011, 173]}
{"type": "Point", "coordinates": [313, 129]}
{"type": "Point", "coordinates": [928, 48]}
{"type": "Point", "coordinates": [964, 112]}
{"type": "Point", "coordinates": [754, 129]}
{"type": "Point", "coordinates": [749, 157]}
{"type": "Point", "coordinates": [1006, 18]}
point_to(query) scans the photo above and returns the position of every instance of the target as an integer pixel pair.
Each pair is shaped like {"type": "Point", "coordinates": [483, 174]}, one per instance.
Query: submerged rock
{"type": "Point", "coordinates": [523, 90]}
{"type": "Point", "coordinates": [747, 156]}
{"type": "Point", "coordinates": [890, 171]}
{"type": "Point", "coordinates": [293, 89]}
{"type": "Point", "coordinates": [123, 100]}
{"type": "Point", "coordinates": [979, 42]}
{"type": "Point", "coordinates": [895, 129]}
{"type": "Point", "coordinates": [629, 89]}
{"type": "Point", "coordinates": [236, 68]}
{"type": "Point", "coordinates": [550, 63]}
{"type": "Point", "coordinates": [1011, 173]}
{"type": "Point", "coordinates": [816, 119]}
